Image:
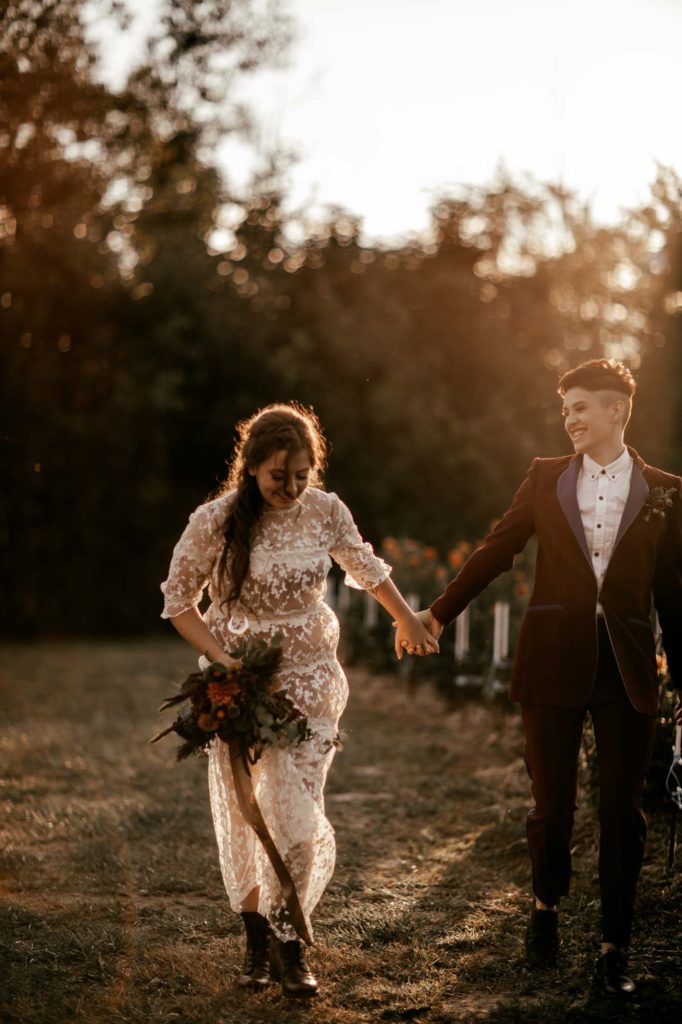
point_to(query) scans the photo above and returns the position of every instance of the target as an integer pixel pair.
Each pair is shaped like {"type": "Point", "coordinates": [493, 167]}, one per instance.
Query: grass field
{"type": "Point", "coordinates": [112, 907]}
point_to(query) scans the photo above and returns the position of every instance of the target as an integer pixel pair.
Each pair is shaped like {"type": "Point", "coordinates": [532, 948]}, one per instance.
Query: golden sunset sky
{"type": "Point", "coordinates": [386, 103]}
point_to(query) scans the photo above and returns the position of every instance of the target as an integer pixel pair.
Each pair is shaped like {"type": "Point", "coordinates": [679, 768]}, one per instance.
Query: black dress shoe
{"type": "Point", "coordinates": [542, 938]}
{"type": "Point", "coordinates": [288, 964]}
{"type": "Point", "coordinates": [256, 970]}
{"type": "Point", "coordinates": [611, 977]}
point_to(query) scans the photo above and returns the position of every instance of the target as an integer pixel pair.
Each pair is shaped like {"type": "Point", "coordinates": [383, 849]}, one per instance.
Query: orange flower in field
{"type": "Point", "coordinates": [414, 560]}
{"type": "Point", "coordinates": [430, 553]}
{"type": "Point", "coordinates": [455, 559]}
{"type": "Point", "coordinates": [391, 549]}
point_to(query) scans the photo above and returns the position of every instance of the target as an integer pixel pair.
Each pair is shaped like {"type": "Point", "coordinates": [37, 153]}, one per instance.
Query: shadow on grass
{"type": "Point", "coordinates": [113, 909]}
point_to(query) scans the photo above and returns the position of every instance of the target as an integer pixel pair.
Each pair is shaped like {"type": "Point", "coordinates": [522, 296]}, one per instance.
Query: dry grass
{"type": "Point", "coordinates": [112, 907]}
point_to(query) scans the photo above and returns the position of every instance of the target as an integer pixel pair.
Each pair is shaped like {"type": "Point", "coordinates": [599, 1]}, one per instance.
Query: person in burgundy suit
{"type": "Point", "coordinates": [609, 533]}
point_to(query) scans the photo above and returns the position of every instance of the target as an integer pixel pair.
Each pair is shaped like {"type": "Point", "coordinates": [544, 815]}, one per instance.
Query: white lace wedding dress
{"type": "Point", "coordinates": [284, 592]}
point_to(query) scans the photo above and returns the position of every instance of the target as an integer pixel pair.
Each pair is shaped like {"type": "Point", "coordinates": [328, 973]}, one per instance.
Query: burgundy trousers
{"type": "Point", "coordinates": [624, 740]}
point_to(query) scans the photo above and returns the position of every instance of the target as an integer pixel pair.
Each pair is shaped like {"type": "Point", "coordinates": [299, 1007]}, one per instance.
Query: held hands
{"type": "Point", "coordinates": [417, 634]}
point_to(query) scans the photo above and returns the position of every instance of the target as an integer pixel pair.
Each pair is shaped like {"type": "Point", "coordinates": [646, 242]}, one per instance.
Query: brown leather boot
{"type": "Point", "coordinates": [611, 977]}
{"type": "Point", "coordinates": [289, 967]}
{"type": "Point", "coordinates": [542, 938]}
{"type": "Point", "coordinates": [256, 969]}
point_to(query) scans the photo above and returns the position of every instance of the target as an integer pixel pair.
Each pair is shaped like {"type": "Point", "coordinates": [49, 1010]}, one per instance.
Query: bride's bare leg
{"type": "Point", "coordinates": [250, 903]}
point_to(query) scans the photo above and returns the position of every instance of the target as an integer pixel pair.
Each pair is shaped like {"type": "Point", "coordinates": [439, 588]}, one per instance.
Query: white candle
{"type": "Point", "coordinates": [462, 626]}
{"type": "Point", "coordinates": [501, 631]}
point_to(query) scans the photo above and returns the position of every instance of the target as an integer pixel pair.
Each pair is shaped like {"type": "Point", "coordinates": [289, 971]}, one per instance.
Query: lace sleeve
{"type": "Point", "coordinates": [364, 570]}
{"type": "Point", "coordinates": [193, 558]}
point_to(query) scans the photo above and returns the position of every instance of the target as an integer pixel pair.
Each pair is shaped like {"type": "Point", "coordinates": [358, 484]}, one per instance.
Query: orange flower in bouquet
{"type": "Point", "coordinates": [240, 702]}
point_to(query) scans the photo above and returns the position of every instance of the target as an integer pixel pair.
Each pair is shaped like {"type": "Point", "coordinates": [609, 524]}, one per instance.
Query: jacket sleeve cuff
{"type": "Point", "coordinates": [439, 613]}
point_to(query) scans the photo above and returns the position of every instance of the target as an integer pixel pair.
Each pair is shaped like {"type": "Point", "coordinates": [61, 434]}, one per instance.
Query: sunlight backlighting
{"type": "Point", "coordinates": [387, 106]}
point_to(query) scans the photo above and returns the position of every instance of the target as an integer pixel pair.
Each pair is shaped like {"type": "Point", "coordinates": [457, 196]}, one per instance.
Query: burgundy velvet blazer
{"type": "Point", "coordinates": [557, 650]}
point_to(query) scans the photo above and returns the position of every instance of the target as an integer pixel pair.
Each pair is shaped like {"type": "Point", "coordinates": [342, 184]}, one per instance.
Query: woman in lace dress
{"type": "Point", "coordinates": [263, 547]}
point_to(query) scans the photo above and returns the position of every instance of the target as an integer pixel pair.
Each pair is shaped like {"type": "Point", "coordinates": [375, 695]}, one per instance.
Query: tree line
{"type": "Point", "coordinates": [145, 307]}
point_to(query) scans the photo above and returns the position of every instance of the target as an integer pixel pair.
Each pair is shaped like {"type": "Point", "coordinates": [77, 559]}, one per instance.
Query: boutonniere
{"type": "Point", "coordinates": [658, 501]}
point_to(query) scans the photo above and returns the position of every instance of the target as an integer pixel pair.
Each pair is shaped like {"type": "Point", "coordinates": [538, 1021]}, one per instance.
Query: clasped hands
{"type": "Point", "coordinates": [417, 634]}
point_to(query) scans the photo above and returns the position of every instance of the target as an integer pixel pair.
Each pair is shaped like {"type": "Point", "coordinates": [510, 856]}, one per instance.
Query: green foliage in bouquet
{"type": "Point", "coordinates": [237, 702]}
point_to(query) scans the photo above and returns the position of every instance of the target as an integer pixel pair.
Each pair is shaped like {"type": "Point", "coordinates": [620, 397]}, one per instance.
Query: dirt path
{"type": "Point", "coordinates": [112, 907]}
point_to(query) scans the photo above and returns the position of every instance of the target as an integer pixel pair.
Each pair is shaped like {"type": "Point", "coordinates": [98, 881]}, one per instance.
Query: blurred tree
{"type": "Point", "coordinates": [658, 229]}
{"type": "Point", "coordinates": [57, 279]}
{"type": "Point", "coordinates": [417, 375]}
{"type": "Point", "coordinates": [434, 366]}
{"type": "Point", "coordinates": [92, 369]}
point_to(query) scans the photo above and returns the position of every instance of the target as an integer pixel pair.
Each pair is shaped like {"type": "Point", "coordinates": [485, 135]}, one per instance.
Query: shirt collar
{"type": "Point", "coordinates": [614, 470]}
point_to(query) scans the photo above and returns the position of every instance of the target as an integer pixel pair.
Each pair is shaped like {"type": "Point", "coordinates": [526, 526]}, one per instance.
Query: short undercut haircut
{"type": "Point", "coordinates": [599, 375]}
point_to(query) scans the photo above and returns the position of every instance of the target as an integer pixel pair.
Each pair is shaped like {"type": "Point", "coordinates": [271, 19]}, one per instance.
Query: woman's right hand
{"type": "Point", "coordinates": [190, 625]}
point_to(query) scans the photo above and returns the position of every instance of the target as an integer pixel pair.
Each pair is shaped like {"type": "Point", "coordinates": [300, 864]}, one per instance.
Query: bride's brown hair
{"type": "Point", "coordinates": [285, 426]}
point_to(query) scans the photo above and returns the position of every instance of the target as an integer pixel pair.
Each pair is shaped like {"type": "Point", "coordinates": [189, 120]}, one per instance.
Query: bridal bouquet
{"type": "Point", "coordinates": [238, 704]}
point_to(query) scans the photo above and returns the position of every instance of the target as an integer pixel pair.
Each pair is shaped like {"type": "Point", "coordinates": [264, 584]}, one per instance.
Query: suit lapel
{"type": "Point", "coordinates": [567, 493]}
{"type": "Point", "coordinates": [639, 489]}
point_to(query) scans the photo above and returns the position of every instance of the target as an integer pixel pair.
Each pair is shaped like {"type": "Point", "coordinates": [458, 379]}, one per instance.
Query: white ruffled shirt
{"type": "Point", "coordinates": [602, 492]}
